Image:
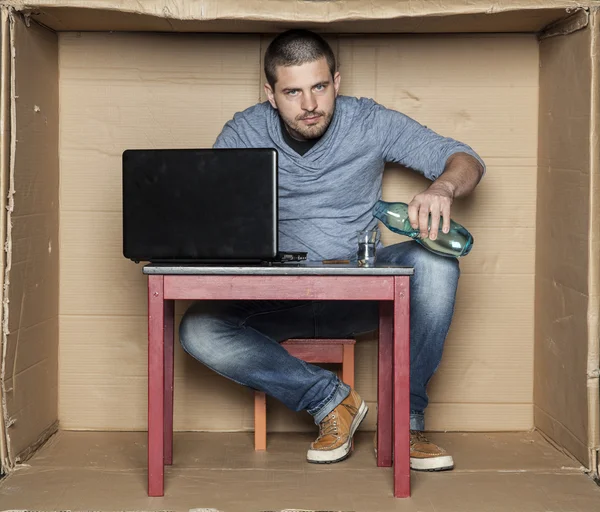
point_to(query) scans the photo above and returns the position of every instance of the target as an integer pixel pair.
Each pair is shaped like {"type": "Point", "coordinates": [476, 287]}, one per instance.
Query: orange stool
{"type": "Point", "coordinates": [319, 350]}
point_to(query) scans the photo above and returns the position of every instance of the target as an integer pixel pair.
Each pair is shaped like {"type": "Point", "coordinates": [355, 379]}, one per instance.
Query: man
{"type": "Point", "coordinates": [332, 150]}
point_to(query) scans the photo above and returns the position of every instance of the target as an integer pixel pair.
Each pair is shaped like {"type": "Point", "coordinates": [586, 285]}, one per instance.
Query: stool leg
{"type": "Point", "coordinates": [385, 384]}
{"type": "Point", "coordinates": [169, 379]}
{"type": "Point", "coordinates": [260, 421]}
{"type": "Point", "coordinates": [156, 385]}
{"type": "Point", "coordinates": [348, 365]}
{"type": "Point", "coordinates": [348, 368]}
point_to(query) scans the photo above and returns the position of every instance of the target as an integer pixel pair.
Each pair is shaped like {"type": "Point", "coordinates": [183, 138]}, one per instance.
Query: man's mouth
{"type": "Point", "coordinates": [311, 119]}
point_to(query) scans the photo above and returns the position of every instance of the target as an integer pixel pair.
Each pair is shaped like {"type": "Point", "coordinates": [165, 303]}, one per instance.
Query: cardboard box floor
{"type": "Point", "coordinates": [520, 472]}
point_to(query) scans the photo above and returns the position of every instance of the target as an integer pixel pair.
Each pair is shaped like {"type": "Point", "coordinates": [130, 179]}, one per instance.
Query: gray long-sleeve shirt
{"type": "Point", "coordinates": [327, 195]}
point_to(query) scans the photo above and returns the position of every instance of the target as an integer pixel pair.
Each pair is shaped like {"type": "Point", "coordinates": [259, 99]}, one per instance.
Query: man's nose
{"type": "Point", "coordinates": [309, 102]}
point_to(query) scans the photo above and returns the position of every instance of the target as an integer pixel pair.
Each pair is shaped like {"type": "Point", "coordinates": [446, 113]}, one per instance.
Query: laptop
{"type": "Point", "coordinates": [201, 206]}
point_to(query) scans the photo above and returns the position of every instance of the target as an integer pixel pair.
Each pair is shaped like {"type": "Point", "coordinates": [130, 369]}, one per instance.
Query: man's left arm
{"type": "Point", "coordinates": [452, 166]}
{"type": "Point", "coordinates": [461, 175]}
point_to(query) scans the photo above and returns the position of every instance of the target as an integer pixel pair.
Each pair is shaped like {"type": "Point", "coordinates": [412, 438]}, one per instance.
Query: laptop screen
{"type": "Point", "coordinates": [200, 205]}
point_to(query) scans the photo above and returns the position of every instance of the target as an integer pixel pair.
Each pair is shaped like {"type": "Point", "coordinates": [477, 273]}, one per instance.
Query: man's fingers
{"type": "Point", "coordinates": [413, 214]}
{"type": "Point", "coordinates": [435, 221]}
{"type": "Point", "coordinates": [419, 211]}
{"type": "Point", "coordinates": [446, 215]}
{"type": "Point", "coordinates": [424, 220]}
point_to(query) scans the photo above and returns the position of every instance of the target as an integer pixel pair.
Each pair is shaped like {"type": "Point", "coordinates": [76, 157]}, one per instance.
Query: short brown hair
{"type": "Point", "coordinates": [293, 48]}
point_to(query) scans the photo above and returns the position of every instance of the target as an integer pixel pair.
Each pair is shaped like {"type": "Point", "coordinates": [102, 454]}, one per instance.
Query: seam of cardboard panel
{"type": "Point", "coordinates": [593, 314]}
{"type": "Point", "coordinates": [556, 445]}
{"type": "Point", "coordinates": [37, 444]}
{"type": "Point", "coordinates": [578, 19]}
{"type": "Point", "coordinates": [4, 169]}
{"type": "Point", "coordinates": [7, 462]}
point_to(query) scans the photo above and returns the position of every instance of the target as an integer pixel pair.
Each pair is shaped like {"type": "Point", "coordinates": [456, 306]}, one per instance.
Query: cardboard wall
{"type": "Point", "coordinates": [5, 144]}
{"type": "Point", "coordinates": [567, 244]}
{"type": "Point", "coordinates": [30, 313]}
{"type": "Point", "coordinates": [121, 91]}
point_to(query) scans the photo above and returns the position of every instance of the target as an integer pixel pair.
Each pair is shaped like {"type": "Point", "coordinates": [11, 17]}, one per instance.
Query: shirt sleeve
{"type": "Point", "coordinates": [409, 143]}
{"type": "Point", "coordinates": [228, 138]}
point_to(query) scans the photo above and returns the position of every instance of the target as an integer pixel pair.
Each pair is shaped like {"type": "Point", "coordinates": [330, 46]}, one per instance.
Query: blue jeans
{"type": "Point", "coordinates": [241, 340]}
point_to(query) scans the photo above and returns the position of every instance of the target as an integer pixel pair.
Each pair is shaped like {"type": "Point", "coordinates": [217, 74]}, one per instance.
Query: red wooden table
{"type": "Point", "coordinates": [388, 285]}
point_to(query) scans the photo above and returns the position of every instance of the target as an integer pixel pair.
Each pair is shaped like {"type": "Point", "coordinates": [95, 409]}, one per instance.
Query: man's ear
{"type": "Point", "coordinates": [336, 82]}
{"type": "Point", "coordinates": [270, 96]}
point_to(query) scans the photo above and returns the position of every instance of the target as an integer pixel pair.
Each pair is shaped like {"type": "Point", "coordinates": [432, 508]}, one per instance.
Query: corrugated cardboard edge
{"type": "Point", "coordinates": [593, 316]}
{"type": "Point", "coordinates": [5, 88]}
{"type": "Point", "coordinates": [286, 10]}
{"type": "Point", "coordinates": [8, 196]}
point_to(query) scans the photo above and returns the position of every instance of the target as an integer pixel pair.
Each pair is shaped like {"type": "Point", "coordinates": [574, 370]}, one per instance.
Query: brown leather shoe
{"type": "Point", "coordinates": [334, 443]}
{"type": "Point", "coordinates": [427, 456]}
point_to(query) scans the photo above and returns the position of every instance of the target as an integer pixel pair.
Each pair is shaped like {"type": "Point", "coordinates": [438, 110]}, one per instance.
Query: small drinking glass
{"type": "Point", "coordinates": [367, 244]}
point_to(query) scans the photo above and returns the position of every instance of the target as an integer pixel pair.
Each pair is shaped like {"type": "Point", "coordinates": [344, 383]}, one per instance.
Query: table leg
{"type": "Point", "coordinates": [401, 387]}
{"type": "Point", "coordinates": [169, 338]}
{"type": "Point", "coordinates": [156, 385]}
{"type": "Point", "coordinates": [385, 384]}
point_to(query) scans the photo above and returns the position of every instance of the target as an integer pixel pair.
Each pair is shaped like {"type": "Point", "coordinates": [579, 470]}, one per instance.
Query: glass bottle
{"type": "Point", "coordinates": [457, 242]}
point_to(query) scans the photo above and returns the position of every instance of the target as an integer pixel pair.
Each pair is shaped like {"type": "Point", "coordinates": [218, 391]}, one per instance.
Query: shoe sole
{"type": "Point", "coordinates": [444, 463]}
{"type": "Point", "coordinates": [428, 470]}
{"type": "Point", "coordinates": [331, 456]}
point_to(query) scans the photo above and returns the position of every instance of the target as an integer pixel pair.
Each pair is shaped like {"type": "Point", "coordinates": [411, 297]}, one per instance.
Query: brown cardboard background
{"type": "Point", "coordinates": [113, 97]}
{"type": "Point", "coordinates": [562, 257]}
{"type": "Point", "coordinates": [120, 101]}
{"type": "Point", "coordinates": [30, 363]}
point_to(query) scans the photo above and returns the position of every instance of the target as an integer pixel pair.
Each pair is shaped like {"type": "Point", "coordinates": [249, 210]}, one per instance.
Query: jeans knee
{"type": "Point", "coordinates": [435, 276]}
{"type": "Point", "coordinates": [443, 268]}
{"type": "Point", "coordinates": [197, 334]}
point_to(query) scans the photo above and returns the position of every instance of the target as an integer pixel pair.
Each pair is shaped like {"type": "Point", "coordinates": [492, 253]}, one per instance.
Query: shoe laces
{"type": "Point", "coordinates": [418, 436]}
{"type": "Point", "coordinates": [329, 425]}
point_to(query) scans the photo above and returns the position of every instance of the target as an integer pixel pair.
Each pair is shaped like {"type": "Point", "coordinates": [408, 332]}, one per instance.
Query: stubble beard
{"type": "Point", "coordinates": [297, 127]}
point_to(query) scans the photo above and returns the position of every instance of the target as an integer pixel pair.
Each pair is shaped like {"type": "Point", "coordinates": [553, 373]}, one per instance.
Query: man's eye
{"type": "Point", "coordinates": [292, 92]}
{"type": "Point", "coordinates": [319, 87]}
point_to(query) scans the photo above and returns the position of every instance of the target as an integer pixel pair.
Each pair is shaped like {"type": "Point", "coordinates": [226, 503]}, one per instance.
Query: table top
{"type": "Point", "coordinates": [306, 268]}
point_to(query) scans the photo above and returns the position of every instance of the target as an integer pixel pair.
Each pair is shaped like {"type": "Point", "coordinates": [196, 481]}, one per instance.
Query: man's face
{"type": "Point", "coordinates": [305, 98]}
